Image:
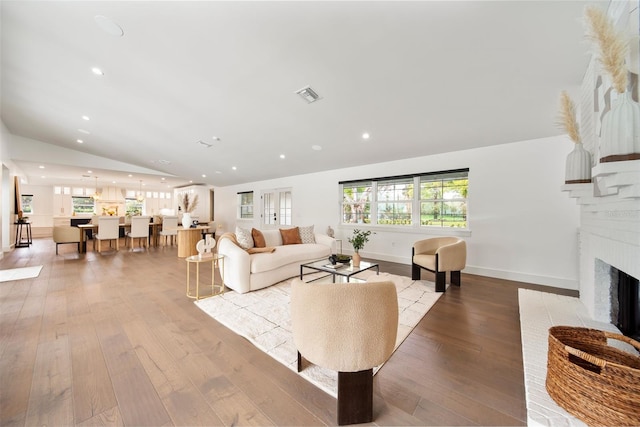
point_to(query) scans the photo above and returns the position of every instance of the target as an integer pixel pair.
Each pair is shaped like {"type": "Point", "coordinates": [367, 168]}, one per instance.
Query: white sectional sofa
{"type": "Point", "coordinates": [244, 271]}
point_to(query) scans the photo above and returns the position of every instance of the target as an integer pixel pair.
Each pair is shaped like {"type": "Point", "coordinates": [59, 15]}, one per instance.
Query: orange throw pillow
{"type": "Point", "coordinates": [258, 238]}
{"type": "Point", "coordinates": [290, 236]}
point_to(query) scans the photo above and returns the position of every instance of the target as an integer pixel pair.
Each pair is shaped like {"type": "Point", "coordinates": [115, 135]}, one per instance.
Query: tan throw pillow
{"type": "Point", "coordinates": [258, 238]}
{"type": "Point", "coordinates": [244, 238]}
{"type": "Point", "coordinates": [290, 236]}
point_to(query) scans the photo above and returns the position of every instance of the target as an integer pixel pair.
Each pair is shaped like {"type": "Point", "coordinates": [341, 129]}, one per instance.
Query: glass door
{"type": "Point", "coordinates": [277, 208]}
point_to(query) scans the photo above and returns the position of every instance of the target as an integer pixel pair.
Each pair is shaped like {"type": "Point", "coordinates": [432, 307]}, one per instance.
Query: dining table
{"type": "Point", "coordinates": [154, 232]}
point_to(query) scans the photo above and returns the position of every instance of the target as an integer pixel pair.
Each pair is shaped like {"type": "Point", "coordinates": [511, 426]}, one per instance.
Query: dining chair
{"type": "Point", "coordinates": [169, 228]}
{"type": "Point", "coordinates": [108, 229]}
{"type": "Point", "coordinates": [139, 230]}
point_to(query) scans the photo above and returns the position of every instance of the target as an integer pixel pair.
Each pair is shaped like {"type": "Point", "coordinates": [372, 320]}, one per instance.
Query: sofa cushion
{"type": "Point", "coordinates": [307, 235]}
{"type": "Point", "coordinates": [272, 237]}
{"type": "Point", "coordinates": [290, 236]}
{"type": "Point", "coordinates": [258, 238]}
{"type": "Point", "coordinates": [287, 254]}
{"type": "Point", "coordinates": [243, 236]}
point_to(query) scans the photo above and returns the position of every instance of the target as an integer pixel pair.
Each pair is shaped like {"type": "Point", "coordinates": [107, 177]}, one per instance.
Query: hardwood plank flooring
{"type": "Point", "coordinates": [111, 339]}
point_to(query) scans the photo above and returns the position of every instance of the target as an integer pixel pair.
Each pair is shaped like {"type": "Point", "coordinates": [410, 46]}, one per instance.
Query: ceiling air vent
{"type": "Point", "coordinates": [205, 144]}
{"type": "Point", "coordinates": [308, 94]}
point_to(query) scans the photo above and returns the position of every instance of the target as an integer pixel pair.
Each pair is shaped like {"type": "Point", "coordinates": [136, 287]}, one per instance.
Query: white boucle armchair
{"type": "Point", "coordinates": [350, 328]}
{"type": "Point", "coordinates": [439, 255]}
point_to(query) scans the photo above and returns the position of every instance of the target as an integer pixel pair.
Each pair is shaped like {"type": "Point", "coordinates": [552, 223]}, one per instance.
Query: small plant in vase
{"type": "Point", "coordinates": [620, 133]}
{"type": "Point", "coordinates": [358, 240]}
{"type": "Point", "coordinates": [578, 165]}
{"type": "Point", "coordinates": [188, 206]}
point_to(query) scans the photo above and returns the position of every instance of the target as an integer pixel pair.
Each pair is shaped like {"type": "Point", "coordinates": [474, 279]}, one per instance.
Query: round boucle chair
{"type": "Point", "coordinates": [439, 255]}
{"type": "Point", "coordinates": [350, 328]}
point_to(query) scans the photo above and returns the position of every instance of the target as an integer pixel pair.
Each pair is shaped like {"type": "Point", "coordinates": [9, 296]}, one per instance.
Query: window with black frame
{"type": "Point", "coordinates": [425, 200]}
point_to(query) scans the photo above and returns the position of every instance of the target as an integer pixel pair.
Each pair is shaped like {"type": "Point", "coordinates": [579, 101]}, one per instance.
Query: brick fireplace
{"type": "Point", "coordinates": [609, 233]}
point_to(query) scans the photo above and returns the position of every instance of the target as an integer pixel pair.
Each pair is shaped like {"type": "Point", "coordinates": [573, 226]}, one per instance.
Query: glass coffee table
{"type": "Point", "coordinates": [343, 270]}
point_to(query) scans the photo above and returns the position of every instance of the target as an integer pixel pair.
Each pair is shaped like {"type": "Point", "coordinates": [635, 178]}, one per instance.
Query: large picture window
{"type": "Point", "coordinates": [426, 200]}
{"type": "Point", "coordinates": [395, 201]}
{"type": "Point", "coordinates": [356, 203]}
{"type": "Point", "coordinates": [443, 200]}
{"type": "Point", "coordinates": [27, 203]}
{"type": "Point", "coordinates": [82, 205]}
{"type": "Point", "coordinates": [245, 205]}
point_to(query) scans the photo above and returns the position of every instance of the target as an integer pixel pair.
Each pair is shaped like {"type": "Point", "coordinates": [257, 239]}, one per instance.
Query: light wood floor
{"type": "Point", "coordinates": [112, 339]}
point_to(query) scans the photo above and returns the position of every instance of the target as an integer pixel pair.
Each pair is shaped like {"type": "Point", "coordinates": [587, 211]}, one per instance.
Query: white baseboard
{"type": "Point", "coordinates": [556, 282]}
{"type": "Point", "coordinates": [537, 279]}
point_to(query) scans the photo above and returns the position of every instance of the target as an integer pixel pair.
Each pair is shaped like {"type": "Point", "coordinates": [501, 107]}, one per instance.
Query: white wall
{"type": "Point", "coordinates": [42, 205]}
{"type": "Point", "coordinates": [521, 226]}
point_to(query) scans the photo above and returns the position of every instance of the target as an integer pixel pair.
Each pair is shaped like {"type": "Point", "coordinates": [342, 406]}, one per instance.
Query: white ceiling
{"type": "Point", "coordinates": [421, 77]}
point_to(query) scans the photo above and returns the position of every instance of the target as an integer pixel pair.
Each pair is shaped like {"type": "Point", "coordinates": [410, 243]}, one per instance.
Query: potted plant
{"type": "Point", "coordinates": [358, 240]}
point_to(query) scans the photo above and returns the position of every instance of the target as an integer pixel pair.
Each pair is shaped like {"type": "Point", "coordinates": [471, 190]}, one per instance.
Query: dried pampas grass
{"type": "Point", "coordinates": [189, 205]}
{"type": "Point", "coordinates": [612, 47]}
{"type": "Point", "coordinates": [567, 118]}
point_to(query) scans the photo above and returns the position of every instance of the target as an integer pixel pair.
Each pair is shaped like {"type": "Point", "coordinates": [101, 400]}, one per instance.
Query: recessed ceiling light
{"type": "Point", "coordinates": [89, 171]}
{"type": "Point", "coordinates": [365, 135]}
{"type": "Point", "coordinates": [316, 147]}
{"type": "Point", "coordinates": [85, 118]}
{"type": "Point", "coordinates": [86, 132]}
{"type": "Point", "coordinates": [282, 156]}
{"type": "Point", "coordinates": [215, 138]}
{"type": "Point", "coordinates": [42, 176]}
{"type": "Point", "coordinates": [234, 168]}
{"type": "Point", "coordinates": [113, 182]}
{"type": "Point", "coordinates": [79, 141]}
{"type": "Point", "coordinates": [41, 166]}
{"type": "Point", "coordinates": [204, 176]}
{"type": "Point", "coordinates": [162, 179]}
{"type": "Point", "coordinates": [97, 71]}
{"type": "Point", "coordinates": [107, 25]}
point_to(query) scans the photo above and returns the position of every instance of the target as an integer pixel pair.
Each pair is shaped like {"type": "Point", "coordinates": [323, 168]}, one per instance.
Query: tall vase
{"type": "Point", "coordinates": [578, 166]}
{"type": "Point", "coordinates": [620, 138]}
{"type": "Point", "coordinates": [355, 259]}
{"type": "Point", "coordinates": [186, 220]}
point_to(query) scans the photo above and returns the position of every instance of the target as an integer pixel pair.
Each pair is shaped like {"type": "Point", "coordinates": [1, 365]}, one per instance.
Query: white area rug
{"type": "Point", "coordinates": [20, 273]}
{"type": "Point", "coordinates": [263, 318]}
{"type": "Point", "coordinates": [538, 312]}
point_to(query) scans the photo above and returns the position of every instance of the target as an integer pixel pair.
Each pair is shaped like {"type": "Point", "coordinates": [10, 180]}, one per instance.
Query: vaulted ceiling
{"type": "Point", "coordinates": [208, 88]}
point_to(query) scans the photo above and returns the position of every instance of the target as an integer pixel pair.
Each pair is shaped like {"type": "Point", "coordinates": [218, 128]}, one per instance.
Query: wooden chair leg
{"type": "Point", "coordinates": [455, 278]}
{"type": "Point", "coordinates": [299, 362]}
{"type": "Point", "coordinates": [415, 272]}
{"type": "Point", "coordinates": [355, 397]}
{"type": "Point", "coordinates": [441, 284]}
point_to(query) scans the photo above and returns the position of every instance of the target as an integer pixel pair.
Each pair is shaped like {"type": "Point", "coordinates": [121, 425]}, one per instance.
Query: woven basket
{"type": "Point", "coordinates": [595, 382]}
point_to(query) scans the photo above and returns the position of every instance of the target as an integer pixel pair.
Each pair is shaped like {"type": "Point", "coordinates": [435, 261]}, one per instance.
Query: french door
{"type": "Point", "coordinates": [276, 207]}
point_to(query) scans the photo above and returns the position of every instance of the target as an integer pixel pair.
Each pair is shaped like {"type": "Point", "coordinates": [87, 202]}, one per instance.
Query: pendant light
{"type": "Point", "coordinates": [140, 196]}
{"type": "Point", "coordinates": [96, 196]}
